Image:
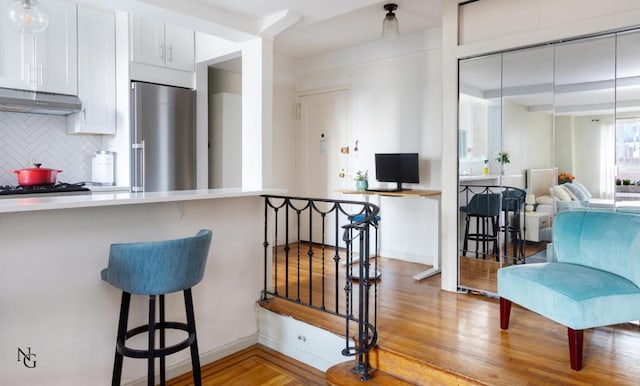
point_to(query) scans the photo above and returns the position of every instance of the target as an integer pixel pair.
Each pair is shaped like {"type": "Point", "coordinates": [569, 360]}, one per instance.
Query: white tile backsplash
{"type": "Point", "coordinates": [24, 136]}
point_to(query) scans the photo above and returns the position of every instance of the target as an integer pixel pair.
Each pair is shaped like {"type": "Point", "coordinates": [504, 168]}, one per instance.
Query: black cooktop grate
{"type": "Point", "coordinates": [60, 187]}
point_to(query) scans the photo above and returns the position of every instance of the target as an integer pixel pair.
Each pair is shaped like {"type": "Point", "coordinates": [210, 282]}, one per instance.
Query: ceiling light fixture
{"type": "Point", "coordinates": [390, 29]}
{"type": "Point", "coordinates": [29, 16]}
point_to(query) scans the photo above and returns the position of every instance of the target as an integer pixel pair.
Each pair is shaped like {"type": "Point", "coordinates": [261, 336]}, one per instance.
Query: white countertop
{"type": "Point", "coordinates": [97, 199]}
{"type": "Point", "coordinates": [480, 177]}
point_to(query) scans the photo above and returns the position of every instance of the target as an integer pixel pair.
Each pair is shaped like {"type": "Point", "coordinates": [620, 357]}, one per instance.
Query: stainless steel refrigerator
{"type": "Point", "coordinates": [162, 138]}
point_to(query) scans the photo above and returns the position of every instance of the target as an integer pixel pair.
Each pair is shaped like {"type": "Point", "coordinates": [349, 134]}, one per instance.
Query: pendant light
{"type": "Point", "coordinates": [29, 16]}
{"type": "Point", "coordinates": [390, 29]}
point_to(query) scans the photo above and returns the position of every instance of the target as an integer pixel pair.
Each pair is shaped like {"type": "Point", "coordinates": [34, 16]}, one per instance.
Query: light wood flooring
{"type": "Point", "coordinates": [460, 333]}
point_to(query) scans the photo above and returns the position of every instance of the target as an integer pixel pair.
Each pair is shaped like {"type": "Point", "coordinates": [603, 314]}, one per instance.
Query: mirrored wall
{"type": "Point", "coordinates": [541, 130]}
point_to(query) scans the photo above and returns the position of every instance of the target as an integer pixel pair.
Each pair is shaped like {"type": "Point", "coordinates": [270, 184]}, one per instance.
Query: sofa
{"type": "Point", "coordinates": [591, 280]}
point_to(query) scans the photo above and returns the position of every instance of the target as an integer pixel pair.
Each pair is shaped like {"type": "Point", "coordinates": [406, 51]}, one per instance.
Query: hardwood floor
{"type": "Point", "coordinates": [255, 365]}
{"type": "Point", "coordinates": [460, 334]}
{"type": "Point", "coordinates": [481, 274]}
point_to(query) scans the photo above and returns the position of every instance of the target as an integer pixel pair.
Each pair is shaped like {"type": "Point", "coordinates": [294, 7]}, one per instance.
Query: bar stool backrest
{"type": "Point", "coordinates": [484, 205]}
{"type": "Point", "coordinates": [513, 199]}
{"type": "Point", "coordinates": [159, 267]}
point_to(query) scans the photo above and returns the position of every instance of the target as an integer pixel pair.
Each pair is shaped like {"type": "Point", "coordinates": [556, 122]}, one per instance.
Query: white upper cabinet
{"type": "Point", "coordinates": [96, 73]}
{"type": "Point", "coordinates": [160, 44]}
{"type": "Point", "coordinates": [46, 61]}
{"type": "Point", "coordinates": [180, 47]}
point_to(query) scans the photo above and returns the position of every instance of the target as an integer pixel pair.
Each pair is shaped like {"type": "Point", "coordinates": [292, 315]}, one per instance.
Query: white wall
{"type": "Point", "coordinates": [52, 298]}
{"type": "Point", "coordinates": [528, 138]}
{"type": "Point", "coordinates": [395, 91]}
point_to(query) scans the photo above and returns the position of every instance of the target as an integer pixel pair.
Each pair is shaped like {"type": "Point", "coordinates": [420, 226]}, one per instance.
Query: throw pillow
{"type": "Point", "coordinates": [567, 189]}
{"type": "Point", "coordinates": [584, 189]}
{"type": "Point", "coordinates": [577, 191]}
{"type": "Point", "coordinates": [560, 193]}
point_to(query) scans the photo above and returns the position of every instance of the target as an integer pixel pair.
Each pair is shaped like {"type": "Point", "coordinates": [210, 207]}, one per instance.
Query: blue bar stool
{"type": "Point", "coordinates": [155, 269]}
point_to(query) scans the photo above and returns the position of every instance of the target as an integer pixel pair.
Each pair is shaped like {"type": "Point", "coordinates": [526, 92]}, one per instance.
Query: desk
{"type": "Point", "coordinates": [410, 193]}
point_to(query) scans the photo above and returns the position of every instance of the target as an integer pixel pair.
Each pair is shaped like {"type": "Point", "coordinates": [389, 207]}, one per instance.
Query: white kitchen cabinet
{"type": "Point", "coordinates": [161, 44]}
{"type": "Point", "coordinates": [42, 62]}
{"type": "Point", "coordinates": [96, 73]}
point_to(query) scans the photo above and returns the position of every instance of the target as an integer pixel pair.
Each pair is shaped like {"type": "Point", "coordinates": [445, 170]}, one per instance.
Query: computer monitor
{"type": "Point", "coordinates": [397, 167]}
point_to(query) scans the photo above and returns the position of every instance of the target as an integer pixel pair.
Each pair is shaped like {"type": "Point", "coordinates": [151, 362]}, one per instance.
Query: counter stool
{"type": "Point", "coordinates": [485, 209]}
{"type": "Point", "coordinates": [155, 269]}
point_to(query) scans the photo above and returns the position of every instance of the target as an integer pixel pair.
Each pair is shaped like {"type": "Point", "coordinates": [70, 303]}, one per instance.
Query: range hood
{"type": "Point", "coordinates": [23, 101]}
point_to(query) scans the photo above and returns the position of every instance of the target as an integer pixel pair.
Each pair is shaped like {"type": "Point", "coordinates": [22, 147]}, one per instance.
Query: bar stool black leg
{"type": "Point", "coordinates": [191, 324]}
{"type": "Point", "coordinates": [152, 341]}
{"type": "Point", "coordinates": [122, 331]}
{"type": "Point", "coordinates": [162, 341]}
{"type": "Point", "coordinates": [465, 244]}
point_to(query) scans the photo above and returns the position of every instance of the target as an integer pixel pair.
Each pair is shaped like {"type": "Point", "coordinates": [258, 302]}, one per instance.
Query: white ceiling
{"type": "Point", "coordinates": [321, 26]}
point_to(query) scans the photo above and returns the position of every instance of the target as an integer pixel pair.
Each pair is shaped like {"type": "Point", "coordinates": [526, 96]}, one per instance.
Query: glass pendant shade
{"type": "Point", "coordinates": [28, 16]}
{"type": "Point", "coordinates": [390, 28]}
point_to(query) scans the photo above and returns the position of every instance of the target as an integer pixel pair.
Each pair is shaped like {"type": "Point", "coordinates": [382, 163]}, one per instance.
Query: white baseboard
{"type": "Point", "coordinates": [308, 344]}
{"type": "Point", "coordinates": [205, 358]}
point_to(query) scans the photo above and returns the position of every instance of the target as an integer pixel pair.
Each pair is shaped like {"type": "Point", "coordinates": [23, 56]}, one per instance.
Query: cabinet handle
{"type": "Point", "coordinates": [171, 53]}
{"type": "Point", "coordinates": [162, 52]}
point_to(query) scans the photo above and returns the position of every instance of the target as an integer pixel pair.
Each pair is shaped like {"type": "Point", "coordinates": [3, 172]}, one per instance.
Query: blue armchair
{"type": "Point", "coordinates": [593, 280]}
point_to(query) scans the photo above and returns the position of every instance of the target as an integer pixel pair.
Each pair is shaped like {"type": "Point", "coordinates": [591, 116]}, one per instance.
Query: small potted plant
{"type": "Point", "coordinates": [361, 180]}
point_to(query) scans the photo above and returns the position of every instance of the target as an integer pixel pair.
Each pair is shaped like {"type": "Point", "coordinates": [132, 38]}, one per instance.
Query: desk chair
{"type": "Point", "coordinates": [375, 222]}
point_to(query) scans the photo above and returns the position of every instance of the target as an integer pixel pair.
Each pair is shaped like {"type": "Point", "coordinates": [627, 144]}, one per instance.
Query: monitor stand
{"type": "Point", "coordinates": [398, 188]}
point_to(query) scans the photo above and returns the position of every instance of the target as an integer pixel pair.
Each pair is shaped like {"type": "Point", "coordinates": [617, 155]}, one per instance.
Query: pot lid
{"type": "Point", "coordinates": [38, 169]}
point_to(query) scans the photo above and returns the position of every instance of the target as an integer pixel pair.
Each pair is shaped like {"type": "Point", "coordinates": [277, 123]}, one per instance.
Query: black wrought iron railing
{"type": "Point", "coordinates": [317, 253]}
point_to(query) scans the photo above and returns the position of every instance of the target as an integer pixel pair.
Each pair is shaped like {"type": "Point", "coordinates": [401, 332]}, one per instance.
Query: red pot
{"type": "Point", "coordinates": [37, 176]}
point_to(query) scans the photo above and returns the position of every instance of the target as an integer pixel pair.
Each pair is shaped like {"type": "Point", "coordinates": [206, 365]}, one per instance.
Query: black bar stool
{"type": "Point", "coordinates": [485, 209]}
{"type": "Point", "coordinates": [155, 269]}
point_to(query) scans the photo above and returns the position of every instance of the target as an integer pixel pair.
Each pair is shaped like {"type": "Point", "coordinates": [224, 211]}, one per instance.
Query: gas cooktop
{"type": "Point", "coordinates": [60, 188]}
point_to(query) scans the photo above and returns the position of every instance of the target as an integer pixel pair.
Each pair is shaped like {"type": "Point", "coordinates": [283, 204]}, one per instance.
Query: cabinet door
{"type": "Point", "coordinates": [147, 41]}
{"type": "Point", "coordinates": [56, 55]}
{"type": "Point", "coordinates": [96, 73]}
{"type": "Point", "coordinates": [16, 58]}
{"type": "Point", "coordinates": [180, 51]}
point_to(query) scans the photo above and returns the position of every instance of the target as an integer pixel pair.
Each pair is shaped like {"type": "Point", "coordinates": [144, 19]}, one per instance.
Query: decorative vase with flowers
{"type": "Point", "coordinates": [564, 178]}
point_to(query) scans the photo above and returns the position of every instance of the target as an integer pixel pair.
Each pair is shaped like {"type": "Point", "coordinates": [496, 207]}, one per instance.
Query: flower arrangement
{"type": "Point", "coordinates": [564, 178]}
{"type": "Point", "coordinates": [503, 157]}
{"type": "Point", "coordinates": [361, 176]}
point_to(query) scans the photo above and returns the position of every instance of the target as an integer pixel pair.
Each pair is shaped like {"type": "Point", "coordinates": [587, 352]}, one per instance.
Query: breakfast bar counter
{"type": "Point", "coordinates": [104, 198]}
{"type": "Point", "coordinates": [54, 305]}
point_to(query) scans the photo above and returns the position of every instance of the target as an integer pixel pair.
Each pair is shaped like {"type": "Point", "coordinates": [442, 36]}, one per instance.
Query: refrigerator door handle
{"type": "Point", "coordinates": [138, 178]}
